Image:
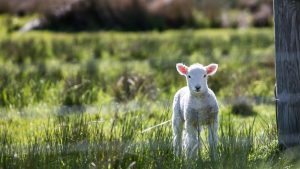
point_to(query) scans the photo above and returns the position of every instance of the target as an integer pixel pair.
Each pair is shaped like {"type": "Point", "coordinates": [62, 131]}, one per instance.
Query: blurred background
{"type": "Point", "coordinates": [80, 80]}
{"type": "Point", "coordinates": [71, 44]}
{"type": "Point", "coordinates": [142, 14]}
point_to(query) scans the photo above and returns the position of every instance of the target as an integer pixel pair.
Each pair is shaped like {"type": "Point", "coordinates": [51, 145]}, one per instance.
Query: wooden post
{"type": "Point", "coordinates": [287, 44]}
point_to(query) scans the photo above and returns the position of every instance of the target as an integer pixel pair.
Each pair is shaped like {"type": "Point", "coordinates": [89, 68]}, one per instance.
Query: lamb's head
{"type": "Point", "coordinates": [196, 76]}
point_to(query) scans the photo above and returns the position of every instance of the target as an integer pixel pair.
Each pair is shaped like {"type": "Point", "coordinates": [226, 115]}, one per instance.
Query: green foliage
{"type": "Point", "coordinates": [99, 60]}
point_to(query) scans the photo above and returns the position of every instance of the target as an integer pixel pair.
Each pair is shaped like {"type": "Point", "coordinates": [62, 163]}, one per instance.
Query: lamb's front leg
{"type": "Point", "coordinates": [177, 126]}
{"type": "Point", "coordinates": [213, 138]}
{"type": "Point", "coordinates": [191, 141]}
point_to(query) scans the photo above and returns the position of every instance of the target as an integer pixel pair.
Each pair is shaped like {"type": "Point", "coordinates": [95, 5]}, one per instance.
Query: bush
{"type": "Point", "coordinates": [129, 86]}
{"type": "Point", "coordinates": [243, 107]}
{"type": "Point", "coordinates": [78, 91]}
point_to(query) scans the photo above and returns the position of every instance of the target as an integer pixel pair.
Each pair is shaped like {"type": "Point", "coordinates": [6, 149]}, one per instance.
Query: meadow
{"type": "Point", "coordinates": [85, 99]}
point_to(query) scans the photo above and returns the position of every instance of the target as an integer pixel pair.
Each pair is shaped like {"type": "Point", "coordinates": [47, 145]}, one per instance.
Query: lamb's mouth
{"type": "Point", "coordinates": [197, 91]}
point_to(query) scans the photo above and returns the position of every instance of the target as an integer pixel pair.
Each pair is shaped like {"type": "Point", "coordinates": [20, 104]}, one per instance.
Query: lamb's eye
{"type": "Point", "coordinates": [204, 76]}
{"type": "Point", "coordinates": [189, 76]}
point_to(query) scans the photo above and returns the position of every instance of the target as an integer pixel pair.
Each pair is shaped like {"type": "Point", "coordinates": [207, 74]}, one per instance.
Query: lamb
{"type": "Point", "coordinates": [194, 105]}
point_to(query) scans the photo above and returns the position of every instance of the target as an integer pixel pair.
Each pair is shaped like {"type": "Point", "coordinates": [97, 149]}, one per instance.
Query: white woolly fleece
{"type": "Point", "coordinates": [194, 106]}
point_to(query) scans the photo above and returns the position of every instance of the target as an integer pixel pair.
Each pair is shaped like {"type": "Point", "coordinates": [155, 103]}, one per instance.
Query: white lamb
{"type": "Point", "coordinates": [194, 106]}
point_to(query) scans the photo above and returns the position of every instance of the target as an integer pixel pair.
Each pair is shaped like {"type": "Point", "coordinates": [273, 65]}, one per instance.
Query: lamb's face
{"type": "Point", "coordinates": [196, 76]}
{"type": "Point", "coordinates": [197, 79]}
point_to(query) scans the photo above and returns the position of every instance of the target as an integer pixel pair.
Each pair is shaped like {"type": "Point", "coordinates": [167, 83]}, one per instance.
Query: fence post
{"type": "Point", "coordinates": [287, 47]}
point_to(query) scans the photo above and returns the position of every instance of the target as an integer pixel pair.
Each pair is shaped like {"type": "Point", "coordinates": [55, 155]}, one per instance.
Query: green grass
{"type": "Point", "coordinates": [82, 100]}
{"type": "Point", "coordinates": [87, 140]}
{"type": "Point", "coordinates": [97, 60]}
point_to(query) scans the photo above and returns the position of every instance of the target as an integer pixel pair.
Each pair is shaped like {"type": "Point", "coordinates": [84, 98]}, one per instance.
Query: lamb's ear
{"type": "Point", "coordinates": [211, 69]}
{"type": "Point", "coordinates": [182, 69]}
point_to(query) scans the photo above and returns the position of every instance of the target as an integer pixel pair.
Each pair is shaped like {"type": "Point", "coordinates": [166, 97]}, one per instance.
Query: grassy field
{"type": "Point", "coordinates": [83, 100]}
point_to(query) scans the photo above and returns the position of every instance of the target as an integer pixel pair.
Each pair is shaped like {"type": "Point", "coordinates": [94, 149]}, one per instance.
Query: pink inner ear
{"type": "Point", "coordinates": [182, 69]}
{"type": "Point", "coordinates": [210, 69]}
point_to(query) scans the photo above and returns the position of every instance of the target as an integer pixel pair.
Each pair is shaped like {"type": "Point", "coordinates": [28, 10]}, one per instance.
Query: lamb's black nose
{"type": "Point", "coordinates": [198, 88]}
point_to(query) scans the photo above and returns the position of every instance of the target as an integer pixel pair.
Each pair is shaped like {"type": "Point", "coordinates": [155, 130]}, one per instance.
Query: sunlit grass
{"type": "Point", "coordinates": [80, 140]}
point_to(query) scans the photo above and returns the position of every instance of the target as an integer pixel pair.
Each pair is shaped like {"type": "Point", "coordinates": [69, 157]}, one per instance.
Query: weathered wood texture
{"type": "Point", "coordinates": [287, 44]}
